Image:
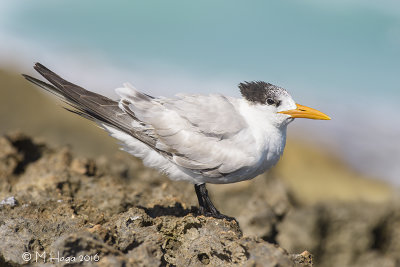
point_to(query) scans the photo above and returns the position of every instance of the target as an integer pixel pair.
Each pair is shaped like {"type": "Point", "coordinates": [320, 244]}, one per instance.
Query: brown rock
{"type": "Point", "coordinates": [115, 212]}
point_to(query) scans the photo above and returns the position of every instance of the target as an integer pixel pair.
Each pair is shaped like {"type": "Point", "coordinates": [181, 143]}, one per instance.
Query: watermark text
{"type": "Point", "coordinates": [57, 257]}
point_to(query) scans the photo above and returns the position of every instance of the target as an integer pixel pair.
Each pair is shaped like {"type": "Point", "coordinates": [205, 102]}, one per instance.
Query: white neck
{"type": "Point", "coordinates": [270, 137]}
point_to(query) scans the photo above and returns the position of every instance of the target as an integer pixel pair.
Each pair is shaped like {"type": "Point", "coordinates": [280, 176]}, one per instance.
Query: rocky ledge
{"type": "Point", "coordinates": [56, 208]}
{"type": "Point", "coordinates": [111, 211]}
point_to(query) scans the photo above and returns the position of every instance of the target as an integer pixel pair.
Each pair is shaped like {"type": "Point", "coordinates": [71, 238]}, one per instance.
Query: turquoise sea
{"type": "Point", "coordinates": [342, 57]}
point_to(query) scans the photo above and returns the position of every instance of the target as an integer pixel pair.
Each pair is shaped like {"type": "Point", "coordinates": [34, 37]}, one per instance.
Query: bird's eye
{"type": "Point", "coordinates": [270, 101]}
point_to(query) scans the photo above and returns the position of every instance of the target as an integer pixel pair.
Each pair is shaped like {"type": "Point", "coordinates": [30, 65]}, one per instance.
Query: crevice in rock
{"type": "Point", "coordinates": [246, 251]}
{"type": "Point", "coordinates": [132, 245]}
{"type": "Point", "coordinates": [177, 210]}
{"type": "Point", "coordinates": [224, 257]}
{"type": "Point", "coordinates": [109, 238]}
{"type": "Point", "coordinates": [380, 237]}
{"type": "Point", "coordinates": [323, 227]}
{"type": "Point", "coordinates": [31, 152]}
{"type": "Point", "coordinates": [3, 262]}
{"type": "Point", "coordinates": [190, 226]}
{"type": "Point", "coordinates": [203, 258]}
{"type": "Point", "coordinates": [164, 262]}
{"type": "Point", "coordinates": [273, 235]}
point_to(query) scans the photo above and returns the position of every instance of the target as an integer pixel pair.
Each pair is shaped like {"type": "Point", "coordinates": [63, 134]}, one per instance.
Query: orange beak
{"type": "Point", "coordinates": [306, 112]}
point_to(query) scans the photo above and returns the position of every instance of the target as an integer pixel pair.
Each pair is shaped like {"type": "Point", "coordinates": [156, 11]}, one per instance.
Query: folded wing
{"type": "Point", "coordinates": [204, 134]}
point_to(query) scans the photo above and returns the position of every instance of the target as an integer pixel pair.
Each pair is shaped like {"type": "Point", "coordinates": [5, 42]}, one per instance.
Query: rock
{"type": "Point", "coordinates": [344, 234]}
{"type": "Point", "coordinates": [297, 237]}
{"type": "Point", "coordinates": [113, 211]}
{"type": "Point", "coordinates": [10, 201]}
{"type": "Point", "coordinates": [264, 208]}
{"type": "Point", "coordinates": [303, 259]}
{"type": "Point", "coordinates": [84, 166]}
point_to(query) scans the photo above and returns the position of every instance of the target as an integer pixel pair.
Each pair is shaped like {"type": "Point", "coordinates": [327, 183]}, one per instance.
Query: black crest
{"type": "Point", "coordinates": [259, 92]}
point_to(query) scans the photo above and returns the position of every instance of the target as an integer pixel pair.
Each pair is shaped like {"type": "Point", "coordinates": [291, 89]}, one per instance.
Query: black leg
{"type": "Point", "coordinates": [206, 207]}
{"type": "Point", "coordinates": [202, 207]}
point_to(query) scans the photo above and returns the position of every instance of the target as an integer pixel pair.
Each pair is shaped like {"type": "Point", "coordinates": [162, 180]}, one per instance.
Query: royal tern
{"type": "Point", "coordinates": [197, 138]}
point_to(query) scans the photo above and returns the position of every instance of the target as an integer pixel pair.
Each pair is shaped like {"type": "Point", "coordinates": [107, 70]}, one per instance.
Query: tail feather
{"type": "Point", "coordinates": [86, 103]}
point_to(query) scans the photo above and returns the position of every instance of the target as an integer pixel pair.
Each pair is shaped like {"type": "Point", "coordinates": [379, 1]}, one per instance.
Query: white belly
{"type": "Point", "coordinates": [267, 152]}
{"type": "Point", "coordinates": [267, 157]}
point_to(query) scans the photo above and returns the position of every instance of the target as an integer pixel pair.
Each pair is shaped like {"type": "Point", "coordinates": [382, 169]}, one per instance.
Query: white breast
{"type": "Point", "coordinates": [268, 147]}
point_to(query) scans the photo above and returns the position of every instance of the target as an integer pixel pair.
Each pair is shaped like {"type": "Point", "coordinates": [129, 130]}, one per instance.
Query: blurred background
{"type": "Point", "coordinates": [341, 57]}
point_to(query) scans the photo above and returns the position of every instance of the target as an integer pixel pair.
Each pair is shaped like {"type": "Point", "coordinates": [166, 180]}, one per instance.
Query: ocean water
{"type": "Point", "coordinates": [342, 57]}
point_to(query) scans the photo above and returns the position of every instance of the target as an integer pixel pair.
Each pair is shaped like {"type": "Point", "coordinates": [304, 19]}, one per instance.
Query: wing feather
{"type": "Point", "coordinates": [204, 134]}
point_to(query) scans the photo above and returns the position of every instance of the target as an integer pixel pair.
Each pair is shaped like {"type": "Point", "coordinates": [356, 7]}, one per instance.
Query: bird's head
{"type": "Point", "coordinates": [278, 103]}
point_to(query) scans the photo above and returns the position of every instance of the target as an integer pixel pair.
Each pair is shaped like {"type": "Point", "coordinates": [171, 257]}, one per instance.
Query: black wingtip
{"type": "Point", "coordinates": [41, 68]}
{"type": "Point", "coordinates": [29, 78]}
{"type": "Point", "coordinates": [52, 77]}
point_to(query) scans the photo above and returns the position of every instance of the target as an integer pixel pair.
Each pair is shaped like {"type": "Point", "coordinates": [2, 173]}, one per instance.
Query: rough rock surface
{"type": "Point", "coordinates": [112, 211]}
{"type": "Point", "coordinates": [56, 208]}
{"type": "Point", "coordinates": [339, 234]}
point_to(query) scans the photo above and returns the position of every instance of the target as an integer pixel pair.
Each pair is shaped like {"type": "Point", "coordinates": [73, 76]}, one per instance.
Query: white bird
{"type": "Point", "coordinates": [196, 138]}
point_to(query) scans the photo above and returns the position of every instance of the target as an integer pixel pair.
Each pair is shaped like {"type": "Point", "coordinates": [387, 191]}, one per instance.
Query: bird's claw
{"type": "Point", "coordinates": [216, 215]}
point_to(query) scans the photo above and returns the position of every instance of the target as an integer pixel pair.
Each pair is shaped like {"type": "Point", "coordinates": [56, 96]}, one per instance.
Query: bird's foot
{"type": "Point", "coordinates": [215, 214]}
{"type": "Point", "coordinates": [206, 207]}
{"type": "Point", "coordinates": [219, 216]}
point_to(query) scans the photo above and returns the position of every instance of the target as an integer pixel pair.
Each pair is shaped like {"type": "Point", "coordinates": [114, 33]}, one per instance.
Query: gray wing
{"type": "Point", "coordinates": [212, 115]}
{"type": "Point", "coordinates": [90, 105]}
{"type": "Point", "coordinates": [204, 134]}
